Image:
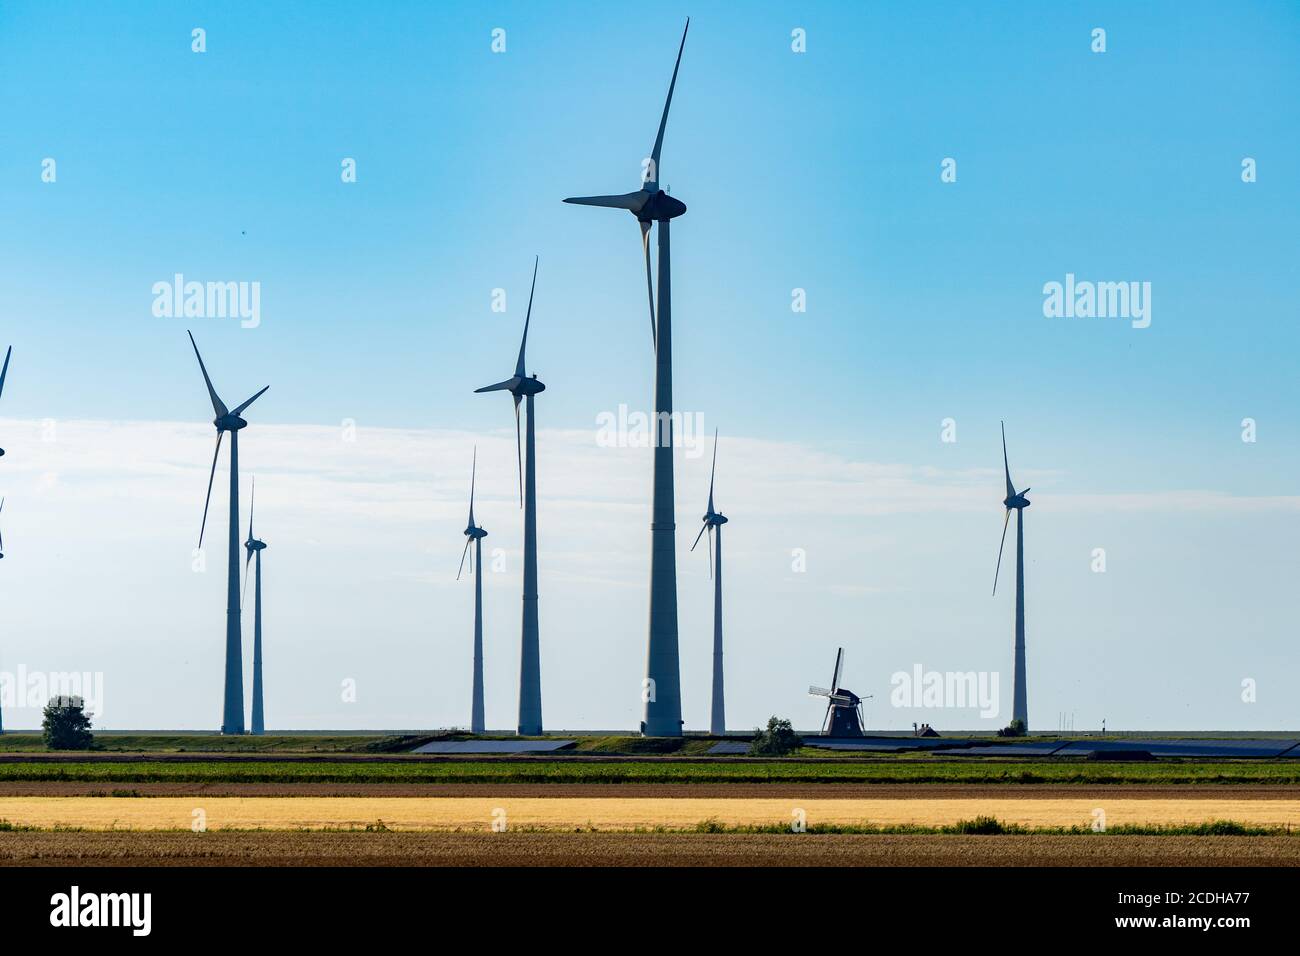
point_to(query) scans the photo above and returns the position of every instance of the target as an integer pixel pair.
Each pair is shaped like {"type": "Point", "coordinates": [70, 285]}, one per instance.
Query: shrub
{"type": "Point", "coordinates": [777, 740]}
{"type": "Point", "coordinates": [66, 725]}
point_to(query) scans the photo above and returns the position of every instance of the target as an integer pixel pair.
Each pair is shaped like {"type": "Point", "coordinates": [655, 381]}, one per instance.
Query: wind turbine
{"type": "Point", "coordinates": [1015, 501]}
{"type": "Point", "coordinates": [2, 538]}
{"type": "Point", "coordinates": [650, 204]}
{"type": "Point", "coordinates": [3, 373]}
{"type": "Point", "coordinates": [474, 535]}
{"type": "Point", "coordinates": [713, 522]}
{"type": "Point", "coordinates": [255, 547]}
{"type": "Point", "coordinates": [521, 386]}
{"type": "Point", "coordinates": [228, 420]}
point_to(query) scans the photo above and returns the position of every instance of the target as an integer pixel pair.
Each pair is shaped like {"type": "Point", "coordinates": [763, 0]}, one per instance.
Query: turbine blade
{"type": "Point", "coordinates": [505, 386]}
{"type": "Point", "coordinates": [240, 408]}
{"type": "Point", "coordinates": [208, 500]}
{"type": "Point", "coordinates": [839, 667]}
{"type": "Point", "coordinates": [815, 691]}
{"type": "Point", "coordinates": [649, 286]}
{"type": "Point", "coordinates": [714, 469]}
{"type": "Point", "coordinates": [519, 366]}
{"type": "Point", "coordinates": [218, 405]}
{"type": "Point", "coordinates": [468, 539]}
{"type": "Point", "coordinates": [710, 527]}
{"type": "Point", "coordinates": [244, 594]}
{"type": "Point", "coordinates": [519, 452]}
{"type": "Point", "coordinates": [629, 201]}
{"type": "Point", "coordinates": [252, 500]}
{"type": "Point", "coordinates": [1006, 521]}
{"type": "Point", "coordinates": [663, 122]}
{"type": "Point", "coordinates": [5, 370]}
{"type": "Point", "coordinates": [473, 474]}
{"type": "Point", "coordinates": [703, 528]}
{"type": "Point", "coordinates": [1011, 491]}
{"type": "Point", "coordinates": [826, 721]}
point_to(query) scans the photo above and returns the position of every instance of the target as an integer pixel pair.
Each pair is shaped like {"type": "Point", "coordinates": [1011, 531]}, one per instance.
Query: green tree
{"type": "Point", "coordinates": [67, 725]}
{"type": "Point", "coordinates": [778, 740]}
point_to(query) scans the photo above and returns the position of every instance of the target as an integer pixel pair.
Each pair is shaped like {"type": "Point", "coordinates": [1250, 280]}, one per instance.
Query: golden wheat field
{"type": "Point", "coordinates": [610, 813]}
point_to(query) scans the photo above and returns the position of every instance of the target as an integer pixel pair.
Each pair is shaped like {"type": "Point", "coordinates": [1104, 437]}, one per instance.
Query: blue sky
{"type": "Point", "coordinates": [817, 171]}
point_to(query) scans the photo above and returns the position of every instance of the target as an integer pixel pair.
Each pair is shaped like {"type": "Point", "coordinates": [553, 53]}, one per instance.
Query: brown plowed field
{"type": "Point", "coordinates": [634, 849]}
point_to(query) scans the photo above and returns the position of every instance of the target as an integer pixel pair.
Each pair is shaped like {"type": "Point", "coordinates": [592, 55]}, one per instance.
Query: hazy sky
{"type": "Point", "coordinates": [818, 171]}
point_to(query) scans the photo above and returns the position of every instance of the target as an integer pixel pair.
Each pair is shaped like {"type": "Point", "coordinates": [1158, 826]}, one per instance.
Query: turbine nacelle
{"type": "Point", "coordinates": [712, 519]}
{"type": "Point", "coordinates": [475, 533]}
{"type": "Point", "coordinates": [1017, 500]}
{"type": "Point", "coordinates": [230, 422]}
{"type": "Point", "coordinates": [252, 544]}
{"type": "Point", "coordinates": [660, 207]}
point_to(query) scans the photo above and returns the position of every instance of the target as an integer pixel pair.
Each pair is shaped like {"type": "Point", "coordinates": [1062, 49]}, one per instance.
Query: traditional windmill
{"type": "Point", "coordinates": [843, 707]}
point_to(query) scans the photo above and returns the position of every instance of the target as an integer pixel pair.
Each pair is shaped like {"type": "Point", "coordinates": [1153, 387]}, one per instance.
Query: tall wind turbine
{"type": "Point", "coordinates": [650, 204]}
{"type": "Point", "coordinates": [3, 373]}
{"type": "Point", "coordinates": [474, 535]}
{"type": "Point", "coordinates": [521, 387]}
{"type": "Point", "coordinates": [1015, 501]}
{"type": "Point", "coordinates": [228, 420]}
{"type": "Point", "coordinates": [713, 522]}
{"type": "Point", "coordinates": [255, 547]}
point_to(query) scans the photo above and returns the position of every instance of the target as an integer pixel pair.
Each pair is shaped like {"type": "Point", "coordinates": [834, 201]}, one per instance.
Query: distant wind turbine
{"type": "Point", "coordinates": [3, 374]}
{"type": "Point", "coordinates": [228, 420]}
{"type": "Point", "coordinates": [713, 522]}
{"type": "Point", "coordinates": [474, 535]}
{"type": "Point", "coordinates": [255, 547]}
{"type": "Point", "coordinates": [521, 386]}
{"type": "Point", "coordinates": [650, 204]}
{"type": "Point", "coordinates": [1015, 501]}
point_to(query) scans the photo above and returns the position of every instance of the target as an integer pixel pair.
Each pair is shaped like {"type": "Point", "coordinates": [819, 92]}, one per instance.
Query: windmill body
{"type": "Point", "coordinates": [474, 536]}
{"type": "Point", "coordinates": [1017, 502]}
{"type": "Point", "coordinates": [254, 548]}
{"type": "Point", "coordinates": [227, 420]}
{"type": "Point", "coordinates": [843, 707]}
{"type": "Point", "coordinates": [713, 522]}
{"type": "Point", "coordinates": [523, 388]}
{"type": "Point", "coordinates": [650, 204]}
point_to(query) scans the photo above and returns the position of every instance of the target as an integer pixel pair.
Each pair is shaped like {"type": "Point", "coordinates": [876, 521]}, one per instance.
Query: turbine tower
{"type": "Point", "coordinates": [228, 420]}
{"type": "Point", "coordinates": [650, 204]}
{"type": "Point", "coordinates": [255, 547]}
{"type": "Point", "coordinates": [520, 387]}
{"type": "Point", "coordinates": [1015, 501]}
{"type": "Point", "coordinates": [474, 535]}
{"type": "Point", "coordinates": [3, 373]}
{"type": "Point", "coordinates": [713, 522]}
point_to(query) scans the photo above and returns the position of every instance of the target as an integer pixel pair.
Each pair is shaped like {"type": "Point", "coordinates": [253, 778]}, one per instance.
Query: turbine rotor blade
{"type": "Point", "coordinates": [506, 386]}
{"type": "Point", "coordinates": [1006, 521]}
{"type": "Point", "coordinates": [1011, 491]}
{"type": "Point", "coordinates": [252, 500]}
{"type": "Point", "coordinates": [703, 528]}
{"type": "Point", "coordinates": [649, 286]}
{"type": "Point", "coordinates": [211, 475]}
{"type": "Point", "coordinates": [663, 122]}
{"type": "Point", "coordinates": [218, 406]}
{"type": "Point", "coordinates": [519, 452]}
{"type": "Point", "coordinates": [240, 408]}
{"type": "Point", "coordinates": [710, 527]}
{"type": "Point", "coordinates": [468, 539]}
{"type": "Point", "coordinates": [5, 371]}
{"type": "Point", "coordinates": [713, 471]}
{"type": "Point", "coordinates": [632, 202]}
{"type": "Point", "coordinates": [244, 594]}
{"type": "Point", "coordinates": [519, 366]}
{"type": "Point", "coordinates": [473, 474]}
